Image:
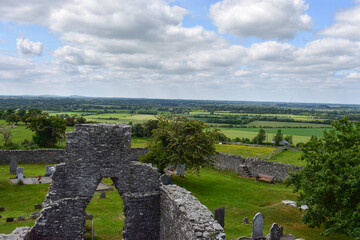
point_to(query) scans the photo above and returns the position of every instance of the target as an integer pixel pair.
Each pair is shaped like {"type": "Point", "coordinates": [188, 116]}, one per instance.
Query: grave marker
{"type": "Point", "coordinates": [13, 166]}
{"type": "Point", "coordinates": [258, 225]}
{"type": "Point", "coordinates": [220, 215]}
{"type": "Point", "coordinates": [18, 171]}
{"type": "Point", "coordinates": [180, 170]}
{"type": "Point", "coordinates": [49, 170]}
{"type": "Point", "coordinates": [165, 179]}
{"type": "Point", "coordinates": [275, 232]}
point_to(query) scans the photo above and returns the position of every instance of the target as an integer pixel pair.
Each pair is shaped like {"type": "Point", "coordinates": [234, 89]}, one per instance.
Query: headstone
{"type": "Point", "coordinates": [245, 220]}
{"type": "Point", "coordinates": [37, 206]}
{"type": "Point", "coordinates": [275, 232]}
{"type": "Point", "coordinates": [165, 179]}
{"type": "Point", "coordinates": [34, 215]}
{"type": "Point", "coordinates": [180, 170]}
{"type": "Point", "coordinates": [281, 230]}
{"type": "Point", "coordinates": [49, 170]}
{"type": "Point", "coordinates": [258, 225]}
{"type": "Point", "coordinates": [13, 166]}
{"type": "Point", "coordinates": [20, 178]}
{"type": "Point", "coordinates": [220, 215]}
{"type": "Point", "coordinates": [9, 219]}
{"type": "Point", "coordinates": [20, 170]}
{"type": "Point", "coordinates": [0, 216]}
{"type": "Point", "coordinates": [103, 194]}
{"type": "Point", "coordinates": [2, 209]}
{"type": "Point", "coordinates": [21, 218]}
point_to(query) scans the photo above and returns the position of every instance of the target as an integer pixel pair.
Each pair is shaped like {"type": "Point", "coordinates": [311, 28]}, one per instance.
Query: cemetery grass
{"type": "Point", "coordinates": [244, 198]}
{"type": "Point", "coordinates": [241, 198]}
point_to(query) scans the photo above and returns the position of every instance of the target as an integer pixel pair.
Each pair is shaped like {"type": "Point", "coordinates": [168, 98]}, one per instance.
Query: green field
{"type": "Point", "coordinates": [273, 124]}
{"type": "Point", "coordinates": [299, 134]}
{"type": "Point", "coordinates": [289, 157]}
{"type": "Point", "coordinates": [241, 198]}
{"type": "Point", "coordinates": [244, 151]}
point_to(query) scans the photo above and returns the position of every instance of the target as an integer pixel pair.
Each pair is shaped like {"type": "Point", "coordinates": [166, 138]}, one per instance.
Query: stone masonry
{"type": "Point", "coordinates": [93, 152]}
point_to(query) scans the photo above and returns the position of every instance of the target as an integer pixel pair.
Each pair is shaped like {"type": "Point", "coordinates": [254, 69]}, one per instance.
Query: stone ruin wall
{"type": "Point", "coordinates": [256, 166]}
{"type": "Point", "coordinates": [151, 210]}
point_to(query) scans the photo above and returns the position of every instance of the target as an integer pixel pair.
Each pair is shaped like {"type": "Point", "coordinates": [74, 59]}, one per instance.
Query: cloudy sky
{"type": "Point", "coordinates": [251, 50]}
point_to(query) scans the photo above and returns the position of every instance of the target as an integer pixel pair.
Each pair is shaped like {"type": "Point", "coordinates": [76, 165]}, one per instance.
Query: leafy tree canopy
{"type": "Point", "coordinates": [330, 182]}
{"type": "Point", "coordinates": [178, 140]}
{"type": "Point", "coordinates": [278, 137]}
{"type": "Point", "coordinates": [48, 129]}
{"type": "Point", "coordinates": [260, 137]}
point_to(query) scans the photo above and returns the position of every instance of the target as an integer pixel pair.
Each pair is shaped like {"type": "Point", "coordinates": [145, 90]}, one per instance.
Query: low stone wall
{"type": "Point", "coordinates": [184, 217]}
{"type": "Point", "coordinates": [33, 156]}
{"type": "Point", "coordinates": [255, 166]}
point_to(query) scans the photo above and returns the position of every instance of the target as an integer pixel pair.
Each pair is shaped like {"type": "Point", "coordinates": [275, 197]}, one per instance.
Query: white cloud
{"type": "Point", "coordinates": [347, 24]}
{"type": "Point", "coordinates": [264, 19]}
{"type": "Point", "coordinates": [28, 48]}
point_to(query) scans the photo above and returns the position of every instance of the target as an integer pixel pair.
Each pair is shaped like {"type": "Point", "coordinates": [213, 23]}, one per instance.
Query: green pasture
{"type": "Point", "coordinates": [240, 197]}
{"type": "Point", "coordinates": [273, 124]}
{"type": "Point", "coordinates": [244, 151]}
{"type": "Point", "coordinates": [121, 118]}
{"type": "Point", "coordinates": [289, 157]}
{"type": "Point", "coordinates": [299, 134]}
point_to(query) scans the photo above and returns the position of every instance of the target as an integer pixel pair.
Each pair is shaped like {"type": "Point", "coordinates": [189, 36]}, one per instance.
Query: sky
{"type": "Point", "coordinates": [246, 50]}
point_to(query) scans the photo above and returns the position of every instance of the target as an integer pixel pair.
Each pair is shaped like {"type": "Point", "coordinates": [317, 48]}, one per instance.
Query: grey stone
{"type": "Point", "coordinates": [166, 179]}
{"type": "Point", "coordinates": [2, 209]}
{"type": "Point", "coordinates": [13, 166]}
{"type": "Point", "coordinates": [37, 206]}
{"type": "Point", "coordinates": [20, 170]}
{"type": "Point", "coordinates": [20, 178]}
{"type": "Point", "coordinates": [275, 232]}
{"type": "Point", "coordinates": [220, 216]}
{"type": "Point", "coordinates": [180, 170]}
{"type": "Point", "coordinates": [281, 230]}
{"type": "Point", "coordinates": [245, 220]}
{"type": "Point", "coordinates": [18, 234]}
{"type": "Point", "coordinates": [49, 170]}
{"type": "Point", "coordinates": [288, 237]}
{"type": "Point", "coordinates": [9, 219]}
{"type": "Point", "coordinates": [102, 194]}
{"type": "Point", "coordinates": [258, 225]}
{"type": "Point", "coordinates": [34, 215]}
{"type": "Point", "coordinates": [21, 218]}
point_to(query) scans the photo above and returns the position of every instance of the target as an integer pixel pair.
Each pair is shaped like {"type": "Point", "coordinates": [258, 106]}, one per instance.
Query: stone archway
{"type": "Point", "coordinates": [94, 151]}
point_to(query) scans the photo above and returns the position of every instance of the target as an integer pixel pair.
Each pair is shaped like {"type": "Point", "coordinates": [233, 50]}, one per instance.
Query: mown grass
{"type": "Point", "coordinates": [273, 124]}
{"type": "Point", "coordinates": [241, 198]}
{"type": "Point", "coordinates": [244, 151]}
{"type": "Point", "coordinates": [289, 157]}
{"type": "Point", "coordinates": [244, 198]}
{"type": "Point", "coordinates": [299, 134]}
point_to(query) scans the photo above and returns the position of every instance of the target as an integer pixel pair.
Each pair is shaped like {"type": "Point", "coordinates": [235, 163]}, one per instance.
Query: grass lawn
{"type": "Point", "coordinates": [299, 134]}
{"type": "Point", "coordinates": [289, 157]}
{"type": "Point", "coordinates": [286, 124]}
{"type": "Point", "coordinates": [244, 151]}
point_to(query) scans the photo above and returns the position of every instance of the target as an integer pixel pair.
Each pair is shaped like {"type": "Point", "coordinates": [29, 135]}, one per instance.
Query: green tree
{"type": "Point", "coordinates": [149, 126]}
{"type": "Point", "coordinates": [48, 129]}
{"type": "Point", "coordinates": [278, 137]}
{"type": "Point", "coordinates": [6, 133]}
{"type": "Point", "coordinates": [260, 137]}
{"type": "Point", "coordinates": [137, 130]}
{"type": "Point", "coordinates": [330, 182]}
{"type": "Point", "coordinates": [289, 139]}
{"type": "Point", "coordinates": [179, 140]}
{"type": "Point", "coordinates": [12, 118]}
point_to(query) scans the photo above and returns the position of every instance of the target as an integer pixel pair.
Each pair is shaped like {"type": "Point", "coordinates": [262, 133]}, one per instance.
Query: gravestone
{"type": "Point", "coordinates": [2, 209]}
{"type": "Point", "coordinates": [13, 166]}
{"type": "Point", "coordinates": [49, 169]}
{"type": "Point", "coordinates": [165, 179]}
{"type": "Point", "coordinates": [20, 177]}
{"type": "Point", "coordinates": [34, 215]}
{"type": "Point", "coordinates": [258, 225]}
{"type": "Point", "coordinates": [220, 215]}
{"type": "Point", "coordinates": [18, 171]}
{"type": "Point", "coordinates": [275, 232]}
{"type": "Point", "coordinates": [103, 194]}
{"type": "Point", "coordinates": [245, 220]}
{"type": "Point", "coordinates": [21, 218]}
{"type": "Point", "coordinates": [180, 170]}
{"type": "Point", "coordinates": [9, 219]}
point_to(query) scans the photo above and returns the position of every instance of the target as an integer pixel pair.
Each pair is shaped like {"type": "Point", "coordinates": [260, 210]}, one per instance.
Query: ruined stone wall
{"type": "Point", "coordinates": [184, 217]}
{"type": "Point", "coordinates": [32, 156]}
{"type": "Point", "coordinates": [137, 152]}
{"type": "Point", "coordinates": [232, 163]}
{"type": "Point", "coordinates": [94, 151]}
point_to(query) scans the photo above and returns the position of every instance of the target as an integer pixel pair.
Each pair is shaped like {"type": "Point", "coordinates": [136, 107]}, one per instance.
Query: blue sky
{"type": "Point", "coordinates": [248, 50]}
